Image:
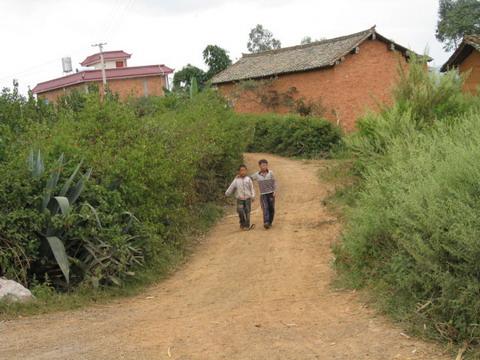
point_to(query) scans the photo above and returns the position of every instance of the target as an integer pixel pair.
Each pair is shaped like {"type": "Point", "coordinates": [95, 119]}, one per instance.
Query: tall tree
{"type": "Point", "coordinates": [261, 39]}
{"type": "Point", "coordinates": [216, 59]}
{"type": "Point", "coordinates": [182, 79]}
{"type": "Point", "coordinates": [457, 18]}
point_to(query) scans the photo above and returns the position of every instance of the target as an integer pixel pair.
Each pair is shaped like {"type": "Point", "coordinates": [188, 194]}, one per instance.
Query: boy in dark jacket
{"type": "Point", "coordinates": [268, 186]}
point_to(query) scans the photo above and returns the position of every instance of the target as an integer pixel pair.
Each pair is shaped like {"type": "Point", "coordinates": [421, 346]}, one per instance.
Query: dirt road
{"type": "Point", "coordinates": [243, 295]}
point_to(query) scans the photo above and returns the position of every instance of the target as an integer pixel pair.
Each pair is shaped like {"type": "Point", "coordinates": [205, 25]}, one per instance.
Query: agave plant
{"type": "Point", "coordinates": [60, 203]}
{"type": "Point", "coordinates": [82, 246]}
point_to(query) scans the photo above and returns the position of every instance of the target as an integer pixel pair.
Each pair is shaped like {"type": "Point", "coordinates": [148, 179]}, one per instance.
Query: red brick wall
{"type": "Point", "coordinates": [123, 87]}
{"type": "Point", "coordinates": [472, 64]}
{"type": "Point", "coordinates": [347, 90]}
{"type": "Point", "coordinates": [53, 95]}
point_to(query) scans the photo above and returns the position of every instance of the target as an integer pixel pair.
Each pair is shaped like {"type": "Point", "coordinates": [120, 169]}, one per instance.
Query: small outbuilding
{"type": "Point", "coordinates": [466, 59]}
{"type": "Point", "coordinates": [338, 78]}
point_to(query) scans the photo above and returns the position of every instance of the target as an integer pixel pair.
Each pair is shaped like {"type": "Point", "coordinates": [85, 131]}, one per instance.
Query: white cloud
{"type": "Point", "coordinates": [36, 34]}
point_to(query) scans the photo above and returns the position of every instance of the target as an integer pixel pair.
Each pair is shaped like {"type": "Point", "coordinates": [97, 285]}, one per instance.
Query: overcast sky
{"type": "Point", "coordinates": [36, 34]}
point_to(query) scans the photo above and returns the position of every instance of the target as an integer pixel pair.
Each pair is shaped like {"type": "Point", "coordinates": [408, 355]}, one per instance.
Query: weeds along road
{"type": "Point", "coordinates": [243, 295]}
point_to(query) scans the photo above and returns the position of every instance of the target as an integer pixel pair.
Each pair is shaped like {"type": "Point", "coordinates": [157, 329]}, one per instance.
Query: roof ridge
{"type": "Point", "coordinates": [315, 43]}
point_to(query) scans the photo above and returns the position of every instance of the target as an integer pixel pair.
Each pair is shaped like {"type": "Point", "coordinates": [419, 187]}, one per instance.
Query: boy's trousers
{"type": "Point", "coordinates": [243, 208]}
{"type": "Point", "coordinates": [268, 207]}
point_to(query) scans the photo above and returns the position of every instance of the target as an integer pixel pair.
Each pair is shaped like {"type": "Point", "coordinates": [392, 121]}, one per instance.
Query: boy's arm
{"type": "Point", "coordinates": [231, 188]}
{"type": "Point", "coordinates": [252, 189]}
{"type": "Point", "coordinates": [274, 184]}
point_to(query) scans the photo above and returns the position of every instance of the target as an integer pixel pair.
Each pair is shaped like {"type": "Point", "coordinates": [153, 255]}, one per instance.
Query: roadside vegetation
{"type": "Point", "coordinates": [99, 197]}
{"type": "Point", "coordinates": [95, 193]}
{"type": "Point", "coordinates": [291, 135]}
{"type": "Point", "coordinates": [412, 223]}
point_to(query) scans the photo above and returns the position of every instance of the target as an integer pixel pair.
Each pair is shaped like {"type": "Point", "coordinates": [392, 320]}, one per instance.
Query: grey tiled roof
{"type": "Point", "coordinates": [296, 58]}
{"type": "Point", "coordinates": [465, 48]}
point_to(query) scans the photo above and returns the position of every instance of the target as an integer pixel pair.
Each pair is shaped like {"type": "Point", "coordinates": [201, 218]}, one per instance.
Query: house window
{"type": "Point", "coordinates": [118, 64]}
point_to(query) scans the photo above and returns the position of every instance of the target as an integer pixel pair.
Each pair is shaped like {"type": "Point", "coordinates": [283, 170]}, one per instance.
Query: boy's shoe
{"type": "Point", "coordinates": [267, 226]}
{"type": "Point", "coordinates": [251, 227]}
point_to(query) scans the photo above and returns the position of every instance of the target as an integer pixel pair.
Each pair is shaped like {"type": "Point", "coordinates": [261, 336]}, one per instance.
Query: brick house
{"type": "Point", "coordinates": [343, 77]}
{"type": "Point", "coordinates": [467, 60]}
{"type": "Point", "coordinates": [122, 79]}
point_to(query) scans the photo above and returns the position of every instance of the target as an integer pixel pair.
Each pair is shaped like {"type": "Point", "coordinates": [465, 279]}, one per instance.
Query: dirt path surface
{"type": "Point", "coordinates": [243, 295]}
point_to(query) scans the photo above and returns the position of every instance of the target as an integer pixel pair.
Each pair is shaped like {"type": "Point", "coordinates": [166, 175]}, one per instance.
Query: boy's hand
{"type": "Point", "coordinates": [273, 194]}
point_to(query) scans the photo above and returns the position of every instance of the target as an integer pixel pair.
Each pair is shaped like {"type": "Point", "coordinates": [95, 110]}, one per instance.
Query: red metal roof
{"type": "Point", "coordinates": [107, 55]}
{"type": "Point", "coordinates": [96, 75]}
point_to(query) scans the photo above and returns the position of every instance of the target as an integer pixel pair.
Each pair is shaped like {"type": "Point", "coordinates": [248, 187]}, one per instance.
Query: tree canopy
{"type": "Point", "coordinates": [261, 39]}
{"type": "Point", "coordinates": [182, 79]}
{"type": "Point", "coordinates": [217, 60]}
{"type": "Point", "coordinates": [457, 18]}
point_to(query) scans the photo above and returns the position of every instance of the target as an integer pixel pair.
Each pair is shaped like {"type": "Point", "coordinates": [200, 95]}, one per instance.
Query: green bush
{"type": "Point", "coordinates": [413, 234]}
{"type": "Point", "coordinates": [157, 166]}
{"type": "Point", "coordinates": [291, 135]}
{"type": "Point", "coordinates": [421, 100]}
{"type": "Point", "coordinates": [412, 231]}
{"type": "Point", "coordinates": [17, 114]}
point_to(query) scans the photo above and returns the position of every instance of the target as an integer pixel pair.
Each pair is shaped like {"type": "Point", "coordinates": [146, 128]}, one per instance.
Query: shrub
{"type": "Point", "coordinates": [421, 100]}
{"type": "Point", "coordinates": [412, 232]}
{"type": "Point", "coordinates": [157, 166]}
{"type": "Point", "coordinates": [291, 135]}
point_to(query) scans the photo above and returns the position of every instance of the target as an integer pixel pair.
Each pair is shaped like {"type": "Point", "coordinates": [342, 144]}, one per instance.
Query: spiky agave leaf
{"type": "Point", "coordinates": [52, 183]}
{"type": "Point", "coordinates": [63, 204]}
{"type": "Point", "coordinates": [69, 182]}
{"type": "Point", "coordinates": [75, 192]}
{"type": "Point", "coordinates": [60, 255]}
{"type": "Point", "coordinates": [35, 163]}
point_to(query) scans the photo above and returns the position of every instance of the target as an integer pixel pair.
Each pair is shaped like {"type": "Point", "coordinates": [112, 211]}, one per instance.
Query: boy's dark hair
{"type": "Point", "coordinates": [243, 166]}
{"type": "Point", "coordinates": [263, 161]}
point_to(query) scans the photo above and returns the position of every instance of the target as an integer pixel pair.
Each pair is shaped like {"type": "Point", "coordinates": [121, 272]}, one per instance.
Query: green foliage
{"type": "Point", "coordinates": [182, 79]}
{"type": "Point", "coordinates": [52, 232]}
{"type": "Point", "coordinates": [457, 19]}
{"type": "Point", "coordinates": [291, 135]}
{"type": "Point", "coordinates": [261, 39]}
{"type": "Point", "coordinates": [151, 105]}
{"type": "Point", "coordinates": [155, 162]}
{"type": "Point", "coordinates": [421, 100]}
{"type": "Point", "coordinates": [17, 114]}
{"type": "Point", "coordinates": [412, 230]}
{"type": "Point", "coordinates": [216, 59]}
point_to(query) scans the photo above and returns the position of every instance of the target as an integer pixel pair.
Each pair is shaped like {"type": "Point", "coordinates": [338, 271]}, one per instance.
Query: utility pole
{"type": "Point", "coordinates": [104, 76]}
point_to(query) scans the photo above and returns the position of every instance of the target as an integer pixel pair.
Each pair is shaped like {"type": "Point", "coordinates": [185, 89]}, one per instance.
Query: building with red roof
{"type": "Point", "coordinates": [122, 79]}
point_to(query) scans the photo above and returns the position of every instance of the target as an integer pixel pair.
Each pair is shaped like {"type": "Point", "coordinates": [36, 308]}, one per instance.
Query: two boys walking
{"type": "Point", "coordinates": [244, 191]}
